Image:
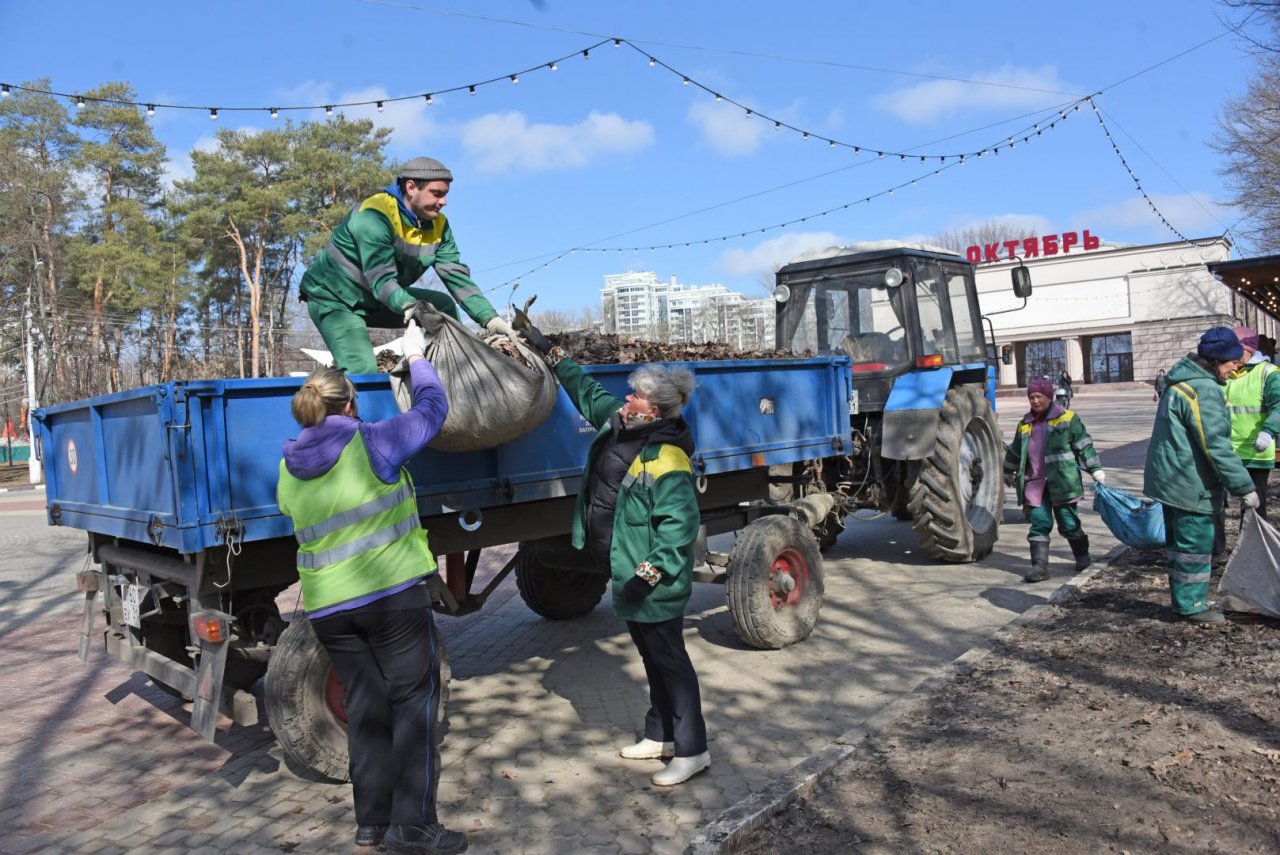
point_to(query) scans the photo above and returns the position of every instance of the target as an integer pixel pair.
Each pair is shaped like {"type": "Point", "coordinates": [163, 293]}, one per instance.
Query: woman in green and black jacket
{"type": "Point", "coordinates": [637, 514]}
{"type": "Point", "coordinates": [1048, 451]}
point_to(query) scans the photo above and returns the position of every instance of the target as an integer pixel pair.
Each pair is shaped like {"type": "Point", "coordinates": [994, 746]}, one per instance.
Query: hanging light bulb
{"type": "Point", "coordinates": [617, 43]}
{"type": "Point", "coordinates": [804, 135]}
{"type": "Point", "coordinates": [553, 66]}
{"type": "Point", "coordinates": [652, 62]}
{"type": "Point", "coordinates": [686, 81]}
{"type": "Point", "coordinates": [777, 126]}
{"type": "Point", "coordinates": [719, 97]}
{"type": "Point", "coordinates": [275, 114]}
{"type": "Point", "coordinates": [749, 113]}
{"type": "Point", "coordinates": [4, 90]}
{"type": "Point", "coordinates": [471, 89]}
{"type": "Point", "coordinates": [328, 111]}
{"type": "Point", "coordinates": [586, 53]}
{"type": "Point", "coordinates": [427, 97]}
{"type": "Point", "coordinates": [213, 114]}
{"type": "Point", "coordinates": [151, 109]}
{"type": "Point", "coordinates": [831, 143]}
{"type": "Point", "coordinates": [515, 79]}
{"type": "Point", "coordinates": [856, 151]}
{"type": "Point", "coordinates": [79, 101]}
{"type": "Point", "coordinates": [379, 105]}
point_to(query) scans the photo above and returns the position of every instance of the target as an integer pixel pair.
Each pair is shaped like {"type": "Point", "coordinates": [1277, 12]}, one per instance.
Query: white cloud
{"type": "Point", "coordinates": [727, 129]}
{"type": "Point", "coordinates": [940, 99]}
{"type": "Point", "coordinates": [500, 142]}
{"type": "Point", "coordinates": [1193, 214]}
{"type": "Point", "coordinates": [772, 253]}
{"type": "Point", "coordinates": [180, 169]}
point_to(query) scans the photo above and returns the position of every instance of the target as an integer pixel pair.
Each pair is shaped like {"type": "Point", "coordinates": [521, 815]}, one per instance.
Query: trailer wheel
{"type": "Point", "coordinates": [304, 700]}
{"type": "Point", "coordinates": [557, 593]}
{"type": "Point", "coordinates": [957, 500]}
{"type": "Point", "coordinates": [774, 584]}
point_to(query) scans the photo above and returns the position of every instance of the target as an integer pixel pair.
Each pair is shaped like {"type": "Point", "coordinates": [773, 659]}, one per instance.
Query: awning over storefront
{"type": "Point", "coordinates": [1255, 279]}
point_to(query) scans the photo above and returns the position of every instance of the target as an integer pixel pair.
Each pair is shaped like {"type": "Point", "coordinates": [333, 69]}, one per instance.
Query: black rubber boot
{"type": "Point", "coordinates": [1039, 562]}
{"type": "Point", "coordinates": [1080, 549]}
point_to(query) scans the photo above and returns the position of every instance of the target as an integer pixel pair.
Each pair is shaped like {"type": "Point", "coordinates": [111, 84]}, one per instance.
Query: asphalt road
{"type": "Point", "coordinates": [538, 708]}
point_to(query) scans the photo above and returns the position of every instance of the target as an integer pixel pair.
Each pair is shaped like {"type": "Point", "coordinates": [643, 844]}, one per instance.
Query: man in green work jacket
{"type": "Point", "coordinates": [361, 279]}
{"type": "Point", "coordinates": [1191, 465]}
{"type": "Point", "coordinates": [1253, 398]}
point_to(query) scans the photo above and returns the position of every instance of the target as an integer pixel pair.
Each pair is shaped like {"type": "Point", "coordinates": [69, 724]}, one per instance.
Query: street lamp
{"type": "Point", "coordinates": [33, 463]}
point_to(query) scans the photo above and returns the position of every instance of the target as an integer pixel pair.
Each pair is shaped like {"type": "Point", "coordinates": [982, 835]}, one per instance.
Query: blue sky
{"type": "Point", "coordinates": [610, 153]}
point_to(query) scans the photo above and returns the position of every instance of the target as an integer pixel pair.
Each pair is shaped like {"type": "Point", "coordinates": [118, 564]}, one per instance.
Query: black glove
{"type": "Point", "coordinates": [521, 323]}
{"type": "Point", "coordinates": [428, 316]}
{"type": "Point", "coordinates": [635, 590]}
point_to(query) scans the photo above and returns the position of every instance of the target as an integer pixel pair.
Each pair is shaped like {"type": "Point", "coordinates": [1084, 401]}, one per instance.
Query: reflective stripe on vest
{"type": "Point", "coordinates": [357, 535]}
{"type": "Point", "coordinates": [409, 242]}
{"type": "Point", "coordinates": [1244, 400]}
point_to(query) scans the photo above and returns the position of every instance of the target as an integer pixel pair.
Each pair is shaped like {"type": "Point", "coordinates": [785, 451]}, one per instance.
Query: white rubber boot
{"type": "Point", "coordinates": [648, 749]}
{"type": "Point", "coordinates": [682, 769]}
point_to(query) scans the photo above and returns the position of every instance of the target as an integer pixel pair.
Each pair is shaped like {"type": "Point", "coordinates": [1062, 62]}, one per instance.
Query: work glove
{"type": "Point", "coordinates": [414, 341]}
{"type": "Point", "coordinates": [1250, 500]}
{"type": "Point", "coordinates": [1099, 476]}
{"type": "Point", "coordinates": [536, 339]}
{"type": "Point", "coordinates": [635, 590]}
{"type": "Point", "coordinates": [499, 326]}
{"type": "Point", "coordinates": [1263, 441]}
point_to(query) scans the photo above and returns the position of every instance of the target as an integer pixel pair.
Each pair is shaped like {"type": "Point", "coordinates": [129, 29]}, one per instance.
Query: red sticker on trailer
{"type": "Point", "coordinates": [73, 459]}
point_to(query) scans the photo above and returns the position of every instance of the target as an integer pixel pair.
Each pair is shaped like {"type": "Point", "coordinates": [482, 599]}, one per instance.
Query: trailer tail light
{"type": "Point", "coordinates": [87, 582]}
{"type": "Point", "coordinates": [933, 360]}
{"type": "Point", "coordinates": [209, 626]}
{"type": "Point", "coordinates": [866, 367]}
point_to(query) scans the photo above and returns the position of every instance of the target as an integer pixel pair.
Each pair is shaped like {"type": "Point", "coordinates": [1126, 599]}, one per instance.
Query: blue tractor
{"type": "Point", "coordinates": [926, 446]}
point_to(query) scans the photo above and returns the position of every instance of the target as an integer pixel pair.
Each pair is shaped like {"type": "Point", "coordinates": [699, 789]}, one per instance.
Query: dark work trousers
{"type": "Point", "coordinates": [389, 665]}
{"type": "Point", "coordinates": [1260, 477]}
{"type": "Point", "coordinates": [675, 703]}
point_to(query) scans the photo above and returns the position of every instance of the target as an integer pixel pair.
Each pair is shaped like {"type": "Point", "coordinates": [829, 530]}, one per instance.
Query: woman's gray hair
{"type": "Point", "coordinates": [665, 386]}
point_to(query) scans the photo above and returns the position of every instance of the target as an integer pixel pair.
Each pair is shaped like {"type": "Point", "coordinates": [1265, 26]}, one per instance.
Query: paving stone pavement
{"type": "Point", "coordinates": [94, 758]}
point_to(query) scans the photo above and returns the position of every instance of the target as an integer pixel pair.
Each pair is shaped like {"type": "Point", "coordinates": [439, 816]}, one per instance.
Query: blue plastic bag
{"type": "Point", "coordinates": [1135, 522]}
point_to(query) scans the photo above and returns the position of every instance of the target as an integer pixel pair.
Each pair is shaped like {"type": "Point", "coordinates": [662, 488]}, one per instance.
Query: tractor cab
{"type": "Point", "coordinates": [890, 307]}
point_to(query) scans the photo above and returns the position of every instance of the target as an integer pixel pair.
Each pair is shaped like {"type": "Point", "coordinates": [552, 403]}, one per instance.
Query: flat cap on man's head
{"type": "Point", "coordinates": [1220, 344]}
{"type": "Point", "coordinates": [425, 169]}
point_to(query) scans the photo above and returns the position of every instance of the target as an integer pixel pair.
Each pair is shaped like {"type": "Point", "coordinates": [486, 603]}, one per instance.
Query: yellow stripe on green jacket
{"type": "Point", "coordinates": [1067, 447]}
{"type": "Point", "coordinates": [376, 252]}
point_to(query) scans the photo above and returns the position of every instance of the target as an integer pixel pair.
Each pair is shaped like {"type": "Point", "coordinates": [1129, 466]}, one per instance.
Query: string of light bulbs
{"type": "Point", "coordinates": [889, 191]}
{"type": "Point", "coordinates": [80, 100]}
{"type": "Point", "coordinates": [1114, 147]}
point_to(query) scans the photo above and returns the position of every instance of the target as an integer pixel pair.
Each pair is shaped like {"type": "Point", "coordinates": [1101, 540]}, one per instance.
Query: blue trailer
{"type": "Point", "coordinates": [175, 485]}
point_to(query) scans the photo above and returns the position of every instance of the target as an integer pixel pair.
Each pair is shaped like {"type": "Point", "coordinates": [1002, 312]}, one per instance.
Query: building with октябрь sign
{"type": "Point", "coordinates": [1111, 313]}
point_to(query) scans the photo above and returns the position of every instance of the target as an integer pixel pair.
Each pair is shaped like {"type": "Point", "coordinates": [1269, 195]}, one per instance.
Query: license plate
{"type": "Point", "coordinates": [131, 604]}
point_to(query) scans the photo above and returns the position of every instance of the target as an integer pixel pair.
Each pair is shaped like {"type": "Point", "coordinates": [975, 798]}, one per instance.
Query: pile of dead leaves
{"type": "Point", "coordinates": [592, 348]}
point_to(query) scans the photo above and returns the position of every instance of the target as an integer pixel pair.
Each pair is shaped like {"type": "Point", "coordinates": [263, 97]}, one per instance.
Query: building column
{"type": "Point", "coordinates": [1075, 358]}
{"type": "Point", "coordinates": [1007, 375]}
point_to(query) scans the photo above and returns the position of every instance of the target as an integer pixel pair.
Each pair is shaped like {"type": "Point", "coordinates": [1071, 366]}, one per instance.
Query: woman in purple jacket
{"type": "Point", "coordinates": [363, 560]}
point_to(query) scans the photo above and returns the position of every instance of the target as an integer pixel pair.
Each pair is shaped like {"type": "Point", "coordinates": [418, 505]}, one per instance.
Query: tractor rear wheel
{"type": "Point", "coordinates": [957, 500]}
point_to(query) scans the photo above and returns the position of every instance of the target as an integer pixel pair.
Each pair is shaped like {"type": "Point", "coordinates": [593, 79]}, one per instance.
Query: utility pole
{"type": "Point", "coordinates": [33, 464]}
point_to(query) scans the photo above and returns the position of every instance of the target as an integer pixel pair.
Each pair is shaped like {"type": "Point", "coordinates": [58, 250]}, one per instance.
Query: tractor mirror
{"type": "Point", "coordinates": [1006, 354]}
{"type": "Point", "coordinates": [1021, 281]}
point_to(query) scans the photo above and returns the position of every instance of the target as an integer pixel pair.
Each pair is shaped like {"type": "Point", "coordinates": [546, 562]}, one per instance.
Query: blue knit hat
{"type": "Point", "coordinates": [1220, 344]}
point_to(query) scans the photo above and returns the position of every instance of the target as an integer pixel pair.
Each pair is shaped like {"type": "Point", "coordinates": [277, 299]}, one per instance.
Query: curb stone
{"type": "Point", "coordinates": [734, 824]}
{"type": "Point", "coordinates": [22, 489]}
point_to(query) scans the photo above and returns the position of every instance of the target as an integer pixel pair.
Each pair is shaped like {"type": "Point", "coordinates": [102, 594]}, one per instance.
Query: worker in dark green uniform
{"type": "Point", "coordinates": [1253, 398]}
{"type": "Point", "coordinates": [1191, 465]}
{"type": "Point", "coordinates": [361, 279]}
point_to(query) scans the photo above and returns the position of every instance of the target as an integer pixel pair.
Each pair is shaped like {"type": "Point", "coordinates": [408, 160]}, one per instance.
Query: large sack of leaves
{"type": "Point", "coordinates": [1136, 522]}
{"type": "Point", "coordinates": [1251, 582]}
{"type": "Point", "coordinates": [493, 398]}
